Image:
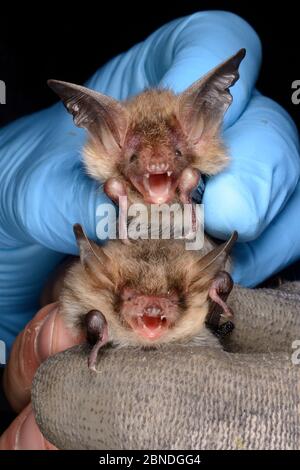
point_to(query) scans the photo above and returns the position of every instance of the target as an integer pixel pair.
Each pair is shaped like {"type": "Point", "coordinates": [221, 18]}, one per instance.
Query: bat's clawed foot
{"type": "Point", "coordinates": [97, 334]}
{"type": "Point", "coordinates": [219, 291]}
{"type": "Point", "coordinates": [189, 180]}
{"type": "Point", "coordinates": [193, 224]}
{"type": "Point", "coordinates": [116, 190]}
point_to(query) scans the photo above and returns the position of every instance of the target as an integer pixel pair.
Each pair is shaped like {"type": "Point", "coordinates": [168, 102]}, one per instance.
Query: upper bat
{"type": "Point", "coordinates": [157, 142]}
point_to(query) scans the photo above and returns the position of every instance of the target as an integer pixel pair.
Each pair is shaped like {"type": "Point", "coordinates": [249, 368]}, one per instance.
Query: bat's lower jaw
{"type": "Point", "coordinates": [149, 328]}
{"type": "Point", "coordinates": [161, 199]}
{"type": "Point", "coordinates": [158, 188]}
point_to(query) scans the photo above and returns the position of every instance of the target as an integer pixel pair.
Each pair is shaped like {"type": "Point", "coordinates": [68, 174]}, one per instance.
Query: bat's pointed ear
{"type": "Point", "coordinates": [86, 247]}
{"type": "Point", "coordinates": [104, 117]}
{"type": "Point", "coordinates": [207, 267]}
{"type": "Point", "coordinates": [79, 233]}
{"type": "Point", "coordinates": [202, 106]}
{"type": "Point", "coordinates": [92, 257]}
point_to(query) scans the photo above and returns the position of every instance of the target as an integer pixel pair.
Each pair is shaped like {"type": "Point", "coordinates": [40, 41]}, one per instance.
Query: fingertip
{"type": "Point", "coordinates": [45, 335]}
{"type": "Point", "coordinates": [54, 336]}
{"type": "Point", "coordinates": [23, 362]}
{"type": "Point", "coordinates": [236, 210]}
{"type": "Point", "coordinates": [24, 434]}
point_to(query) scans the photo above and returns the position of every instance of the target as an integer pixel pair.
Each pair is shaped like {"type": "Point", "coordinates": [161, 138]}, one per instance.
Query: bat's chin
{"type": "Point", "coordinates": [156, 188]}
{"type": "Point", "coordinates": [149, 327]}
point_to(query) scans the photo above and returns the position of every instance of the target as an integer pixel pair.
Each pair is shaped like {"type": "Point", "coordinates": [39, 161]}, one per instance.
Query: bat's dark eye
{"type": "Point", "coordinates": [133, 158]}
{"type": "Point", "coordinates": [178, 153]}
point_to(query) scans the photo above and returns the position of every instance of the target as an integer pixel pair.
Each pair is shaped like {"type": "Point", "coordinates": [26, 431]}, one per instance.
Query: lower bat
{"type": "Point", "coordinates": [146, 294]}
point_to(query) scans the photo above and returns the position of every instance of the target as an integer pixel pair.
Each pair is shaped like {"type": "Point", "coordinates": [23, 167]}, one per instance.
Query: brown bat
{"type": "Point", "coordinates": [148, 293]}
{"type": "Point", "coordinates": [152, 148]}
{"type": "Point", "coordinates": [155, 146]}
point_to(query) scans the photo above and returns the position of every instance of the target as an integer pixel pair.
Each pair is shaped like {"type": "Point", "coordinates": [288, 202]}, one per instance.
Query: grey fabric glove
{"type": "Point", "coordinates": [183, 397]}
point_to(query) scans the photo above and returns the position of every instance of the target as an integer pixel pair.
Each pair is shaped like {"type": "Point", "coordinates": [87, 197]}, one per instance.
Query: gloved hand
{"type": "Point", "coordinates": [45, 335]}
{"type": "Point", "coordinates": [44, 189]}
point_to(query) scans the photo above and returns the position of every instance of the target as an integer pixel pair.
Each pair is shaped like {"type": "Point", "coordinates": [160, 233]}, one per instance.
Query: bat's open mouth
{"type": "Point", "coordinates": [148, 326]}
{"type": "Point", "coordinates": [156, 188]}
{"type": "Point", "coordinates": [149, 316]}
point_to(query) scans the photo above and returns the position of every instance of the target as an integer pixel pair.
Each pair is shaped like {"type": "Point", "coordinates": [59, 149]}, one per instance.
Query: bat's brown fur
{"type": "Point", "coordinates": [153, 267]}
{"type": "Point", "coordinates": [154, 129]}
{"type": "Point", "coordinates": [149, 136]}
{"type": "Point", "coordinates": [156, 133]}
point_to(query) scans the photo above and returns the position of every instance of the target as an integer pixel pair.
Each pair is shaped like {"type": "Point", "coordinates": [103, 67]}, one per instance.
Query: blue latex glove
{"type": "Point", "coordinates": [44, 189]}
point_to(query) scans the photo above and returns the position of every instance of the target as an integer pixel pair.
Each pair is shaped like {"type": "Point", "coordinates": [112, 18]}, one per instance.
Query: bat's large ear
{"type": "Point", "coordinates": [219, 254]}
{"type": "Point", "coordinates": [105, 118]}
{"type": "Point", "coordinates": [214, 261]}
{"type": "Point", "coordinates": [93, 258]}
{"type": "Point", "coordinates": [202, 106]}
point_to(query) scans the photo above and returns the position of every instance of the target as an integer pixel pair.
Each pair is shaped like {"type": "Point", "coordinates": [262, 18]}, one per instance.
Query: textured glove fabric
{"type": "Point", "coordinates": [183, 397]}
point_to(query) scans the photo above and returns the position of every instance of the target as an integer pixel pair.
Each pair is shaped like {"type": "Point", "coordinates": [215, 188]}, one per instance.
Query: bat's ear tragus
{"type": "Point", "coordinates": [78, 232]}
{"type": "Point", "coordinates": [220, 252]}
{"type": "Point", "coordinates": [239, 57]}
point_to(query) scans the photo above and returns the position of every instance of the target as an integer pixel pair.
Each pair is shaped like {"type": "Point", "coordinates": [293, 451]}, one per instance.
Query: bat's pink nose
{"type": "Point", "coordinates": [153, 310]}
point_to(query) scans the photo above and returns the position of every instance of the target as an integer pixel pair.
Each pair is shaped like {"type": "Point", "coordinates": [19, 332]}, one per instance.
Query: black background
{"type": "Point", "coordinates": [71, 43]}
{"type": "Point", "coordinates": [53, 41]}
